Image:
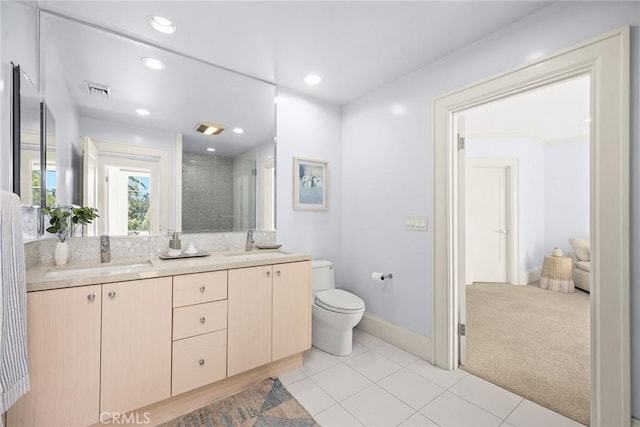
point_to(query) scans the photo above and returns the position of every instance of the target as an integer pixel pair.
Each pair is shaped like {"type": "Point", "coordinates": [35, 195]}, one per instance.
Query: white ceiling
{"type": "Point", "coordinates": [550, 114]}
{"type": "Point", "coordinates": [355, 46]}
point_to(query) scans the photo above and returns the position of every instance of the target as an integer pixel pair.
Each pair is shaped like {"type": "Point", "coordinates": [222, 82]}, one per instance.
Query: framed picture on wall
{"type": "Point", "coordinates": [310, 178]}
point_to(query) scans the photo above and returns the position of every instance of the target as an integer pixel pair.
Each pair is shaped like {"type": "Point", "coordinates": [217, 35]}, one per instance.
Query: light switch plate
{"type": "Point", "coordinates": [416, 223]}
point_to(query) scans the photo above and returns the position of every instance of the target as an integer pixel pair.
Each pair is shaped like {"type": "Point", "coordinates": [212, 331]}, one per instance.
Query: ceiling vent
{"type": "Point", "coordinates": [209, 128]}
{"type": "Point", "coordinates": [98, 90]}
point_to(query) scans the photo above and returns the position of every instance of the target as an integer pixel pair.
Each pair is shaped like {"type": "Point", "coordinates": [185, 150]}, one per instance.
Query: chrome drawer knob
{"type": "Point", "coordinates": [112, 294]}
{"type": "Point", "coordinates": [202, 319]}
{"type": "Point", "coordinates": [91, 297]}
{"type": "Point", "coordinates": [278, 272]}
{"type": "Point", "coordinates": [202, 289]}
{"type": "Point", "coordinates": [201, 362]}
{"type": "Point", "coordinates": [268, 274]}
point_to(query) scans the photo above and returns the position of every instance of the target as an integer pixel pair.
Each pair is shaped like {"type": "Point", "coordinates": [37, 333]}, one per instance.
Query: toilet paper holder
{"type": "Point", "coordinates": [376, 275]}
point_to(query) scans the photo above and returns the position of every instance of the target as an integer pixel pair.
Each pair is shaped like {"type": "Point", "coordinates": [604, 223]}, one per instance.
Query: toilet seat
{"type": "Point", "coordinates": [339, 301]}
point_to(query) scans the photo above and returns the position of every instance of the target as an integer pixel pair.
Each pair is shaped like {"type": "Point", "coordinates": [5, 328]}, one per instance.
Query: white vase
{"type": "Point", "coordinates": [61, 253]}
{"type": "Point", "coordinates": [556, 252]}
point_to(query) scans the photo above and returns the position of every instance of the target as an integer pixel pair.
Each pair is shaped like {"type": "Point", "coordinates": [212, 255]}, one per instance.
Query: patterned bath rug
{"type": "Point", "coordinates": [268, 404]}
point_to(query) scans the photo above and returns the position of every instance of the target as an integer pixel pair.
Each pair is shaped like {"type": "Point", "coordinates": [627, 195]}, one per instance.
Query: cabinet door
{"type": "Point", "coordinates": [63, 336]}
{"type": "Point", "coordinates": [136, 344]}
{"type": "Point", "coordinates": [291, 308]}
{"type": "Point", "coordinates": [249, 322]}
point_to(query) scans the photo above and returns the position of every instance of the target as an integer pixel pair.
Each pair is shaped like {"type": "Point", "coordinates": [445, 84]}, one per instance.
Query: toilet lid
{"type": "Point", "coordinates": [337, 299]}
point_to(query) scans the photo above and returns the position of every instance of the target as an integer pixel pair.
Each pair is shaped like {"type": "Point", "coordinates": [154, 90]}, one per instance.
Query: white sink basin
{"type": "Point", "coordinates": [252, 256]}
{"type": "Point", "coordinates": [56, 273]}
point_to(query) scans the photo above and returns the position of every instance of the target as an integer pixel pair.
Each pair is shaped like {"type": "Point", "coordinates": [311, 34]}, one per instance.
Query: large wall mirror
{"type": "Point", "coordinates": [130, 138]}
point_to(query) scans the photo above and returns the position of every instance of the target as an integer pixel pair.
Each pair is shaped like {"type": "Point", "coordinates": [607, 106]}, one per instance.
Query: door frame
{"type": "Point", "coordinates": [606, 59]}
{"type": "Point", "coordinates": [512, 189]}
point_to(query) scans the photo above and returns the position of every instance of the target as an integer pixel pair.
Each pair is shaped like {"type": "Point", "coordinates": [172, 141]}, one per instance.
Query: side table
{"type": "Point", "coordinates": [557, 274]}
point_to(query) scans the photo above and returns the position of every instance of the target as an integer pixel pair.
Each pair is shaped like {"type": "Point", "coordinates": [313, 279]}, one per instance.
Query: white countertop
{"type": "Point", "coordinates": [46, 277]}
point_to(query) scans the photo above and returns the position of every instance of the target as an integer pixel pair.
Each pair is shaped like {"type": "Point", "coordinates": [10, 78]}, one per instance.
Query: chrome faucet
{"type": "Point", "coordinates": [250, 241]}
{"type": "Point", "coordinates": [105, 249]}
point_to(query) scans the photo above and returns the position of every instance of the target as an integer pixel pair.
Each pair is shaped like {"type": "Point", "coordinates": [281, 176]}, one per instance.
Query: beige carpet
{"type": "Point", "coordinates": [533, 342]}
{"type": "Point", "coordinates": [268, 404]}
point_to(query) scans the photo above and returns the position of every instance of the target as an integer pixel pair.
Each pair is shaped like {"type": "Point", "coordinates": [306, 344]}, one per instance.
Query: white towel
{"type": "Point", "coordinates": [14, 367]}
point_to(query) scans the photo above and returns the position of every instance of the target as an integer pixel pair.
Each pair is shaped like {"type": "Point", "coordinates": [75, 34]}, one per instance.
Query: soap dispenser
{"type": "Point", "coordinates": [174, 242]}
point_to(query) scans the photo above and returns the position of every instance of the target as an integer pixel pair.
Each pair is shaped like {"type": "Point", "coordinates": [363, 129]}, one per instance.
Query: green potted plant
{"type": "Point", "coordinates": [63, 222]}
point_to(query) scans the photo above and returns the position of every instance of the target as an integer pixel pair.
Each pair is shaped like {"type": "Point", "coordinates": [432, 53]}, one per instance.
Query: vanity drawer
{"type": "Point", "coordinates": [198, 361]}
{"type": "Point", "coordinates": [199, 287]}
{"type": "Point", "coordinates": [199, 319]}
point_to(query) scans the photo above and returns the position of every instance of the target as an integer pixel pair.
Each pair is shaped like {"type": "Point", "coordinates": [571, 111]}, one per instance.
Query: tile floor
{"type": "Point", "coordinates": [382, 385]}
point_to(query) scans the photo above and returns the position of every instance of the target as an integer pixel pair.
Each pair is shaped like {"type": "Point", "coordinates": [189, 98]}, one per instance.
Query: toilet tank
{"type": "Point", "coordinates": [322, 275]}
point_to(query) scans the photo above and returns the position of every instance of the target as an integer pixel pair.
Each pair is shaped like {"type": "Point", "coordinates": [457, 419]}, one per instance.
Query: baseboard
{"type": "Point", "coordinates": [405, 339]}
{"type": "Point", "coordinates": [530, 276]}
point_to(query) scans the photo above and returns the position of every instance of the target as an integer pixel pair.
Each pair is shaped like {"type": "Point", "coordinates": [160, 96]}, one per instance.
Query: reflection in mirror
{"type": "Point", "coordinates": [150, 171]}
{"type": "Point", "coordinates": [28, 162]}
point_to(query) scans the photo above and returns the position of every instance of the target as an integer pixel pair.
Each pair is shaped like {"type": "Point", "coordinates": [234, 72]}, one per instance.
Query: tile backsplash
{"type": "Point", "coordinates": [87, 249]}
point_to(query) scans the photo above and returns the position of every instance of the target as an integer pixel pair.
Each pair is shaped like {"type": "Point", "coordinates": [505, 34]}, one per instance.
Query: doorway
{"type": "Point", "coordinates": [606, 60]}
{"type": "Point", "coordinates": [521, 336]}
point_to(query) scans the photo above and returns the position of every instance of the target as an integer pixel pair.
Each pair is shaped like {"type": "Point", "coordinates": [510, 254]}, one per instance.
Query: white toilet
{"type": "Point", "coordinates": [335, 312]}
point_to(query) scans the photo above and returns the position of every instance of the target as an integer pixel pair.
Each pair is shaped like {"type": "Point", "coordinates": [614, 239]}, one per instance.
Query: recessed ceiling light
{"type": "Point", "coordinates": [238, 130]}
{"type": "Point", "coordinates": [211, 149]}
{"type": "Point", "coordinates": [161, 24]}
{"type": "Point", "coordinates": [143, 112]}
{"type": "Point", "coordinates": [153, 63]}
{"type": "Point", "coordinates": [312, 79]}
{"type": "Point", "coordinates": [209, 128]}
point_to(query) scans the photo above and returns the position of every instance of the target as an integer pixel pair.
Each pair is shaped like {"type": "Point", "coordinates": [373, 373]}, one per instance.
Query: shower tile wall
{"type": "Point", "coordinates": [207, 192]}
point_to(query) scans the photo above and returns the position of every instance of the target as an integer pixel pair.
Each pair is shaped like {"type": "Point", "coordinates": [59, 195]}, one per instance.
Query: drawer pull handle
{"type": "Point", "coordinates": [202, 319]}
{"type": "Point", "coordinates": [201, 362]}
{"type": "Point", "coordinates": [112, 294]}
{"type": "Point", "coordinates": [91, 297]}
{"type": "Point", "coordinates": [202, 289]}
{"type": "Point", "coordinates": [278, 272]}
{"type": "Point", "coordinates": [268, 274]}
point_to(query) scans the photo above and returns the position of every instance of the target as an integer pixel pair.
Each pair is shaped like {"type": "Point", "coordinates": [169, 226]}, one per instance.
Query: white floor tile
{"type": "Point", "coordinates": [340, 381]}
{"type": "Point", "coordinates": [374, 406]}
{"type": "Point", "coordinates": [529, 414]}
{"type": "Point", "coordinates": [310, 396]}
{"type": "Point", "coordinates": [316, 360]}
{"type": "Point", "coordinates": [489, 397]}
{"type": "Point", "coordinates": [291, 377]}
{"type": "Point", "coordinates": [373, 365]}
{"type": "Point", "coordinates": [411, 388]}
{"type": "Point", "coordinates": [506, 424]}
{"type": "Point", "coordinates": [450, 410]}
{"type": "Point", "coordinates": [367, 339]}
{"type": "Point", "coordinates": [439, 376]}
{"type": "Point", "coordinates": [418, 420]}
{"type": "Point", "coordinates": [336, 416]}
{"type": "Point", "coordinates": [396, 354]}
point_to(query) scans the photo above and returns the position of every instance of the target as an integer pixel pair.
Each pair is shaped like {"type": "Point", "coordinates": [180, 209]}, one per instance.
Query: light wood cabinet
{"type": "Point", "coordinates": [198, 361]}
{"type": "Point", "coordinates": [199, 319]}
{"type": "Point", "coordinates": [249, 318]}
{"type": "Point", "coordinates": [291, 309]}
{"type": "Point", "coordinates": [198, 288]}
{"type": "Point", "coordinates": [63, 333]}
{"type": "Point", "coordinates": [269, 311]}
{"type": "Point", "coordinates": [136, 344]}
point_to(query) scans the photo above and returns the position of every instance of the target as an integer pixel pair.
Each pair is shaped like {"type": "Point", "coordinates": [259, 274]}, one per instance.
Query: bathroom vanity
{"type": "Point", "coordinates": [160, 338]}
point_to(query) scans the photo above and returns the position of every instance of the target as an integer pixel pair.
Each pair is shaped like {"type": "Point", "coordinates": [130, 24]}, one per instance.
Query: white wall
{"type": "Point", "coordinates": [531, 167]}
{"type": "Point", "coordinates": [309, 128]}
{"type": "Point", "coordinates": [566, 183]}
{"type": "Point", "coordinates": [395, 151]}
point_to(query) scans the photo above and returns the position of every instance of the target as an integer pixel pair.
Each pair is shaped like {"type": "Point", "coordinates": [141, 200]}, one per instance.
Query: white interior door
{"type": "Point", "coordinates": [486, 214]}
